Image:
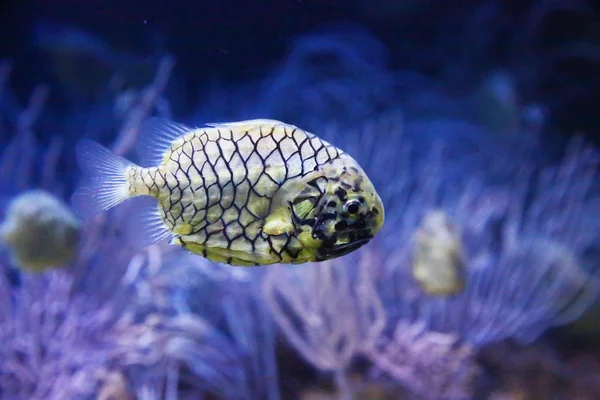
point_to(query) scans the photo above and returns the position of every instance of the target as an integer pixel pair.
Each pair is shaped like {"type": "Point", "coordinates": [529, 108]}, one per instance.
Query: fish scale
{"type": "Point", "coordinates": [245, 193]}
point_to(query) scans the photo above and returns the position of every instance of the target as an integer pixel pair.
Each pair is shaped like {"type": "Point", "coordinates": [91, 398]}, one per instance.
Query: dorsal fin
{"type": "Point", "coordinates": [156, 136]}
{"type": "Point", "coordinates": [248, 124]}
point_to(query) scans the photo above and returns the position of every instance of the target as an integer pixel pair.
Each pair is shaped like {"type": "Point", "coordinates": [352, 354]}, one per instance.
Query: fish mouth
{"type": "Point", "coordinates": [329, 252]}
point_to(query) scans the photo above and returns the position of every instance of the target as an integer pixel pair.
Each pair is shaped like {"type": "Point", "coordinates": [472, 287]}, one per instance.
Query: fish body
{"type": "Point", "coordinates": [248, 193]}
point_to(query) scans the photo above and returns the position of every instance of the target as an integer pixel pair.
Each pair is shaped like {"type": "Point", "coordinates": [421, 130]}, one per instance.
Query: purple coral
{"type": "Point", "coordinates": [525, 232]}
{"type": "Point", "coordinates": [432, 365]}
{"type": "Point", "coordinates": [326, 315]}
{"type": "Point", "coordinates": [57, 344]}
{"type": "Point", "coordinates": [111, 321]}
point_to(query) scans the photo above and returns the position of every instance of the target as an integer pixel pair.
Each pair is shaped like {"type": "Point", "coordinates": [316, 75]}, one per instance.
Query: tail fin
{"type": "Point", "coordinates": [104, 183]}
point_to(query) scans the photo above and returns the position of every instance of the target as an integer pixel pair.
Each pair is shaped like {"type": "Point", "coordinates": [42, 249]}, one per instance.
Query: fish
{"type": "Point", "coordinates": [40, 231]}
{"type": "Point", "coordinates": [246, 193]}
{"type": "Point", "coordinates": [438, 263]}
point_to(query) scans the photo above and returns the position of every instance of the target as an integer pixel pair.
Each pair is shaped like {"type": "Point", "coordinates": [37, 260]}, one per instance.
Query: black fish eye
{"type": "Point", "coordinates": [352, 207]}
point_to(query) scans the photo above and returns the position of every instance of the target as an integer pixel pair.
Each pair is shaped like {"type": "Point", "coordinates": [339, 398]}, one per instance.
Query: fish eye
{"type": "Point", "coordinates": [352, 207]}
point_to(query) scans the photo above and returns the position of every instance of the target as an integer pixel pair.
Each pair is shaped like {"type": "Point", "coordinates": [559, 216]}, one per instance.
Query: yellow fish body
{"type": "Point", "coordinates": [246, 193]}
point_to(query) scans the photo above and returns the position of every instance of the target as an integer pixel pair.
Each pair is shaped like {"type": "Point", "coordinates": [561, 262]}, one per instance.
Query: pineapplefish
{"type": "Point", "coordinates": [246, 193]}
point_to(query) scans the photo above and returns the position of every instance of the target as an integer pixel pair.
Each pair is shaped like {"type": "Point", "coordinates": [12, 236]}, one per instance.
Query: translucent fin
{"type": "Point", "coordinates": [249, 124]}
{"type": "Point", "coordinates": [144, 225]}
{"type": "Point", "coordinates": [157, 135]}
{"type": "Point", "coordinates": [104, 183]}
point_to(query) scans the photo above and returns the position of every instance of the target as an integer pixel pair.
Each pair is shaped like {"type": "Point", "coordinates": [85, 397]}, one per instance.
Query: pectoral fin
{"type": "Point", "coordinates": [279, 222]}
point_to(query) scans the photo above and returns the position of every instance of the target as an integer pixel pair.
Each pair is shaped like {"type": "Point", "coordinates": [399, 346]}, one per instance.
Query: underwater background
{"type": "Point", "coordinates": [476, 120]}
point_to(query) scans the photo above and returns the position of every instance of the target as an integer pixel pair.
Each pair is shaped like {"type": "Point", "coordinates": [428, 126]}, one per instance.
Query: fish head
{"type": "Point", "coordinates": [340, 207]}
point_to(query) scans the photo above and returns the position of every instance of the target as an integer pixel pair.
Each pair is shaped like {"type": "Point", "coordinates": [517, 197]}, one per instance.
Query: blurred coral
{"type": "Point", "coordinates": [431, 365]}
{"type": "Point", "coordinates": [543, 372]}
{"type": "Point", "coordinates": [58, 344]}
{"type": "Point", "coordinates": [326, 315]}
{"type": "Point", "coordinates": [107, 325]}
{"type": "Point", "coordinates": [553, 206]}
{"type": "Point", "coordinates": [161, 323]}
